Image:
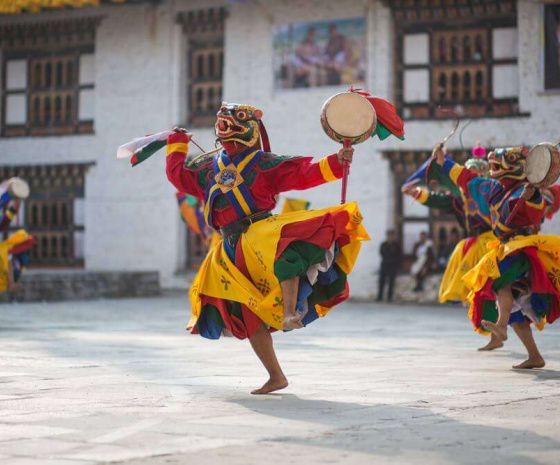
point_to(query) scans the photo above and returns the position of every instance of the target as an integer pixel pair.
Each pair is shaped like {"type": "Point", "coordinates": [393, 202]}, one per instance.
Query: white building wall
{"type": "Point", "coordinates": [132, 221]}
{"type": "Point", "coordinates": [131, 217]}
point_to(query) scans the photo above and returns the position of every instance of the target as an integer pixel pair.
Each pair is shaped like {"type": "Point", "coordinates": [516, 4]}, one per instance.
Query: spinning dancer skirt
{"type": "Point", "coordinates": [16, 248]}
{"type": "Point", "coordinates": [531, 265]}
{"type": "Point", "coordinates": [464, 258]}
{"type": "Point", "coordinates": [238, 284]}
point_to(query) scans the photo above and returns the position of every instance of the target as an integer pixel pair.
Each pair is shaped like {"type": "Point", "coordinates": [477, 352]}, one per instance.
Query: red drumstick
{"type": "Point", "coordinates": [345, 172]}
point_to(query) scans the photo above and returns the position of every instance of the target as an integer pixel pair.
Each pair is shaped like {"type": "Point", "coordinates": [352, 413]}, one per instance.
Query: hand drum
{"type": "Point", "coordinates": [348, 118]}
{"type": "Point", "coordinates": [543, 165]}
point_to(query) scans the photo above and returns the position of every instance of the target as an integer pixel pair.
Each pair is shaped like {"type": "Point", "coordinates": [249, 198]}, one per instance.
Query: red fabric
{"type": "Point", "coordinates": [527, 214]}
{"type": "Point", "coordinates": [540, 284]}
{"type": "Point", "coordinates": [468, 244]}
{"type": "Point", "coordinates": [23, 247]}
{"type": "Point", "coordinates": [386, 114]}
{"type": "Point", "coordinates": [292, 174]}
{"type": "Point", "coordinates": [338, 298]}
{"type": "Point", "coordinates": [322, 231]}
{"type": "Point", "coordinates": [554, 206]}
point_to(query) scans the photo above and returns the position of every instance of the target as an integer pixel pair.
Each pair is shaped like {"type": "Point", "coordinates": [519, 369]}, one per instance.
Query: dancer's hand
{"type": "Point", "coordinates": [439, 153]}
{"type": "Point", "coordinates": [180, 130]}
{"type": "Point", "coordinates": [410, 190]}
{"type": "Point", "coordinates": [345, 154]}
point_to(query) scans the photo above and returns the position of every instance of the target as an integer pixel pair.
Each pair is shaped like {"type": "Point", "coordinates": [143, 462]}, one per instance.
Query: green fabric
{"type": "Point", "coordinates": [517, 269]}
{"type": "Point", "coordinates": [382, 132]}
{"type": "Point", "coordinates": [214, 314]}
{"type": "Point", "coordinates": [296, 260]}
{"type": "Point", "coordinates": [435, 173]}
{"type": "Point", "coordinates": [440, 201]}
{"type": "Point", "coordinates": [146, 152]}
{"type": "Point", "coordinates": [268, 161]}
{"type": "Point", "coordinates": [489, 312]}
{"type": "Point", "coordinates": [323, 293]}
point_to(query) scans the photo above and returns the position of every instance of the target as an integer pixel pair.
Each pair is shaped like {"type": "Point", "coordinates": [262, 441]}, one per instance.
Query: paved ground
{"type": "Point", "coordinates": [119, 381]}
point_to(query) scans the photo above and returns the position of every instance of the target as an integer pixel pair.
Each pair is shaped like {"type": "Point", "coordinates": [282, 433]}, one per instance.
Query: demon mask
{"type": "Point", "coordinates": [508, 163]}
{"type": "Point", "coordinates": [238, 123]}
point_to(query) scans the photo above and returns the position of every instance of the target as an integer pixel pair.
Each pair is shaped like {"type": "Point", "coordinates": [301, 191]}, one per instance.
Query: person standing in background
{"type": "Point", "coordinates": [425, 256]}
{"type": "Point", "coordinates": [390, 252]}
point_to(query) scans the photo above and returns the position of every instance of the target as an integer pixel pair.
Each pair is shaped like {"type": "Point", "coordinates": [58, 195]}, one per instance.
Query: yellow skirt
{"type": "Point", "coordinates": [19, 238]}
{"type": "Point", "coordinates": [536, 256]}
{"type": "Point", "coordinates": [253, 283]}
{"type": "Point", "coordinates": [460, 263]}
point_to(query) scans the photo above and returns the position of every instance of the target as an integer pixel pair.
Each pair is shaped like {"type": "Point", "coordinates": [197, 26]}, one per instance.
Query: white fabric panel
{"type": "Point", "coordinates": [416, 85]}
{"type": "Point", "coordinates": [16, 109]}
{"type": "Point", "coordinates": [87, 104]}
{"type": "Point", "coordinates": [87, 69]}
{"type": "Point", "coordinates": [416, 49]}
{"type": "Point", "coordinates": [79, 241]}
{"type": "Point", "coordinates": [79, 212]}
{"type": "Point", "coordinates": [16, 75]}
{"type": "Point", "coordinates": [504, 43]}
{"type": "Point", "coordinates": [505, 81]}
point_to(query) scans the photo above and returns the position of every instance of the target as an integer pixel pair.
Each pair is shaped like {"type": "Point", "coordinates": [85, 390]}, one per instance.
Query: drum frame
{"type": "Point", "coordinates": [554, 170]}
{"type": "Point", "coordinates": [339, 137]}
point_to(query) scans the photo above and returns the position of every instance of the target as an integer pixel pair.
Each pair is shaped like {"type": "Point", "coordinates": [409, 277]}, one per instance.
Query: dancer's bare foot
{"type": "Point", "coordinates": [292, 321]}
{"type": "Point", "coordinates": [532, 362]}
{"type": "Point", "coordinates": [500, 331]}
{"type": "Point", "coordinates": [493, 344]}
{"type": "Point", "coordinates": [273, 384]}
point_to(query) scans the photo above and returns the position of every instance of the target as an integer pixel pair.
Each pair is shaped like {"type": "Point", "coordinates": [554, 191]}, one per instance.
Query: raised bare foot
{"type": "Point", "coordinates": [500, 331]}
{"type": "Point", "coordinates": [533, 362]}
{"type": "Point", "coordinates": [273, 384]}
{"type": "Point", "coordinates": [493, 344]}
{"type": "Point", "coordinates": [292, 321]}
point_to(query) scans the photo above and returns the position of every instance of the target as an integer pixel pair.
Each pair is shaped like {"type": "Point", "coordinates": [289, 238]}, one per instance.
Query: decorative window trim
{"type": "Point", "coordinates": [204, 30]}
{"type": "Point", "coordinates": [48, 45]}
{"type": "Point", "coordinates": [455, 18]}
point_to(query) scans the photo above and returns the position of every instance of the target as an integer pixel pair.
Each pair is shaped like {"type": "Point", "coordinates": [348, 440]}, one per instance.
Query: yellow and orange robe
{"type": "Point", "coordinates": [238, 285]}
{"type": "Point", "coordinates": [468, 251]}
{"type": "Point", "coordinates": [528, 262]}
{"type": "Point", "coordinates": [14, 256]}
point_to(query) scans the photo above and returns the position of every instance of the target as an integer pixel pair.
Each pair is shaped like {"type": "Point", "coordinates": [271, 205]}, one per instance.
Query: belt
{"type": "Point", "coordinates": [242, 225]}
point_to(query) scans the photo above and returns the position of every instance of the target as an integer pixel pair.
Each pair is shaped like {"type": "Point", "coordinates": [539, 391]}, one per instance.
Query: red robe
{"type": "Point", "coordinates": [274, 174]}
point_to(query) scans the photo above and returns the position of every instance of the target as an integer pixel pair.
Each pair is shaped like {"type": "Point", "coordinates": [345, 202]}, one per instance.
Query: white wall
{"type": "Point", "coordinates": [132, 221]}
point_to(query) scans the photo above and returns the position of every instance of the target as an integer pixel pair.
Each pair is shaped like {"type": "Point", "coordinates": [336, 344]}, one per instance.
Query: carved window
{"type": "Point", "coordinates": [54, 212]}
{"type": "Point", "coordinates": [461, 56]}
{"type": "Point", "coordinates": [50, 84]}
{"type": "Point", "coordinates": [204, 30]}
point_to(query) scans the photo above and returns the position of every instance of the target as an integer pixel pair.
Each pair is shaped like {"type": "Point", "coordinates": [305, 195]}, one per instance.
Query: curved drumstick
{"type": "Point", "coordinates": [457, 122]}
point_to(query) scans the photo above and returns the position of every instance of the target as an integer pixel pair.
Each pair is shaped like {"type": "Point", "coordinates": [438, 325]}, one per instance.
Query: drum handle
{"type": "Point", "coordinates": [522, 201]}
{"type": "Point", "coordinates": [346, 143]}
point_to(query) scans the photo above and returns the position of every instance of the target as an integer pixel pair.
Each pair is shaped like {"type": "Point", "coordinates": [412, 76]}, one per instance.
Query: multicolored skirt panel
{"type": "Point", "coordinates": [238, 284]}
{"type": "Point", "coordinates": [16, 248]}
{"type": "Point", "coordinates": [531, 266]}
{"type": "Point", "coordinates": [464, 258]}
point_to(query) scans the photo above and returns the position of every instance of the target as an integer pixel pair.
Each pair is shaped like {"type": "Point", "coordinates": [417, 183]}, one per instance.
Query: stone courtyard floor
{"type": "Point", "coordinates": [120, 381]}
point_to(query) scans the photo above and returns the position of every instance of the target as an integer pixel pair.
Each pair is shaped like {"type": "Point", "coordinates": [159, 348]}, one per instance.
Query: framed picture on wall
{"type": "Point", "coordinates": [551, 44]}
{"type": "Point", "coordinates": [320, 53]}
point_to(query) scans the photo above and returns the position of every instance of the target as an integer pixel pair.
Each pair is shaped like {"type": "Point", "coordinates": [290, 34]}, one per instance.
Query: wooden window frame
{"type": "Point", "coordinates": [57, 41]}
{"type": "Point", "coordinates": [487, 106]}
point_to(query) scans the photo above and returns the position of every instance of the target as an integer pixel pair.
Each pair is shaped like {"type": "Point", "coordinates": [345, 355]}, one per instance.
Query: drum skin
{"type": "Point", "coordinates": [543, 165]}
{"type": "Point", "coordinates": [348, 116]}
{"type": "Point", "coordinates": [18, 188]}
